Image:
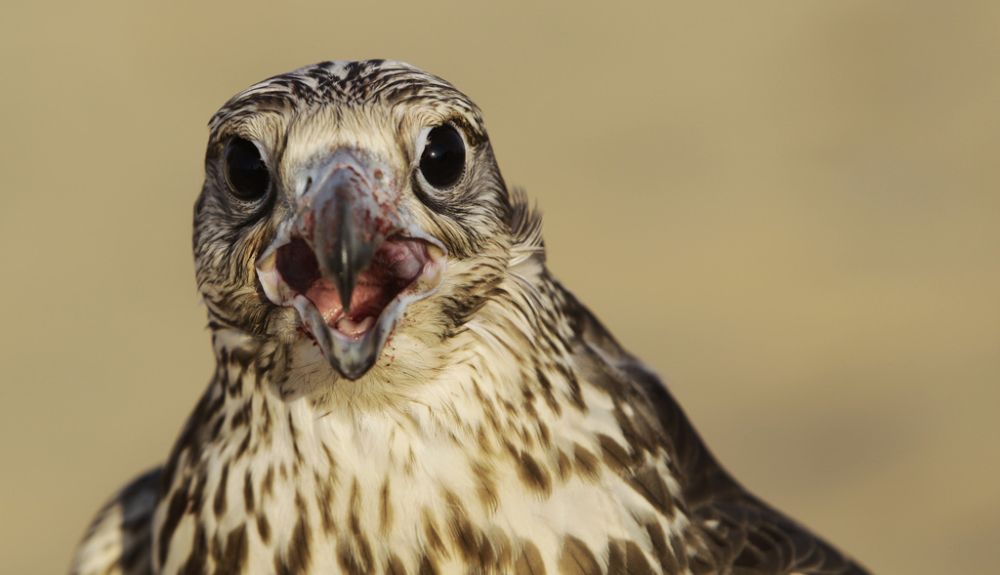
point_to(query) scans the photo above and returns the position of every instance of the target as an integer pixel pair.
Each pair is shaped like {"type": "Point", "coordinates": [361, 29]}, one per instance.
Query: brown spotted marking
{"type": "Point", "coordinates": [529, 562]}
{"type": "Point", "coordinates": [394, 565]}
{"type": "Point", "coordinates": [297, 553]}
{"type": "Point", "coordinates": [614, 455]}
{"type": "Point", "coordinates": [586, 462]}
{"type": "Point", "coordinates": [665, 555]}
{"type": "Point", "coordinates": [647, 481]}
{"type": "Point", "coordinates": [576, 558]}
{"type": "Point", "coordinates": [264, 528]}
{"type": "Point", "coordinates": [354, 559]}
{"type": "Point", "coordinates": [196, 563]}
{"type": "Point", "coordinates": [219, 506]}
{"type": "Point", "coordinates": [534, 475]}
{"type": "Point", "coordinates": [486, 487]}
{"type": "Point", "coordinates": [248, 493]}
{"type": "Point", "coordinates": [435, 543]}
{"type": "Point", "coordinates": [235, 557]}
{"type": "Point", "coordinates": [385, 508]}
{"type": "Point", "coordinates": [625, 558]}
{"type": "Point", "coordinates": [428, 566]}
{"type": "Point", "coordinates": [563, 466]}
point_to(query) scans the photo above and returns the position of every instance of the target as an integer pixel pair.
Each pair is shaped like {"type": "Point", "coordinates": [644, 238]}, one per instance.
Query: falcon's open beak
{"type": "Point", "coordinates": [349, 261]}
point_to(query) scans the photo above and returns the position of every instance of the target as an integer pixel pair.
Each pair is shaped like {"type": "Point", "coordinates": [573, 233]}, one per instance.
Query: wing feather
{"type": "Point", "coordinates": [118, 540]}
{"type": "Point", "coordinates": [743, 535]}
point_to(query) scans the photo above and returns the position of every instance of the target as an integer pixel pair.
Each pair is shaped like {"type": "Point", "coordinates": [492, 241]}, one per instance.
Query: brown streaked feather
{"type": "Point", "coordinates": [577, 559]}
{"type": "Point", "coordinates": [530, 561]}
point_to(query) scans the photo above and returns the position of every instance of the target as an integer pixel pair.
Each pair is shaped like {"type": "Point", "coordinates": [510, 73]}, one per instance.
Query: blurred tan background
{"type": "Point", "coordinates": [790, 209]}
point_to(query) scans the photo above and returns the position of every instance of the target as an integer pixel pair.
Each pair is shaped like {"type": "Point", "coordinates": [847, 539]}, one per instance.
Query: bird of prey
{"type": "Point", "coordinates": [401, 386]}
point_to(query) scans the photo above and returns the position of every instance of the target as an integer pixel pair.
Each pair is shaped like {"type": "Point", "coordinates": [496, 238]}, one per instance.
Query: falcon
{"type": "Point", "coordinates": [401, 386]}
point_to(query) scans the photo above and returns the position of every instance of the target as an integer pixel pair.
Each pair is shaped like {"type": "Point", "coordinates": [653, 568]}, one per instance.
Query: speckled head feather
{"type": "Point", "coordinates": [376, 106]}
{"type": "Point", "coordinates": [401, 386]}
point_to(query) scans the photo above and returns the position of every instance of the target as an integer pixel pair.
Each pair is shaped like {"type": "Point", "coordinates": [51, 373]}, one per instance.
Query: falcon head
{"type": "Point", "coordinates": [353, 210]}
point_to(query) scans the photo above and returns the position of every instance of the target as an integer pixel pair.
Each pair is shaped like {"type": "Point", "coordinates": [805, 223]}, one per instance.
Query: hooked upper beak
{"type": "Point", "coordinates": [350, 260]}
{"type": "Point", "coordinates": [352, 223]}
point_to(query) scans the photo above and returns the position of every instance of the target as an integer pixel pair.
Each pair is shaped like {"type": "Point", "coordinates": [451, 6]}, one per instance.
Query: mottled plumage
{"type": "Point", "coordinates": [490, 425]}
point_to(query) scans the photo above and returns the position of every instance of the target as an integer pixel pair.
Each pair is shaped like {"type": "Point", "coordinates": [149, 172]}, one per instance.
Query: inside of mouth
{"type": "Point", "coordinates": [397, 265]}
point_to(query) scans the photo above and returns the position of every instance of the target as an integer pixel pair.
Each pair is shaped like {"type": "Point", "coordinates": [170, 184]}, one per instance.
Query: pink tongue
{"type": "Point", "coordinates": [347, 326]}
{"type": "Point", "coordinates": [326, 299]}
{"type": "Point", "coordinates": [366, 301]}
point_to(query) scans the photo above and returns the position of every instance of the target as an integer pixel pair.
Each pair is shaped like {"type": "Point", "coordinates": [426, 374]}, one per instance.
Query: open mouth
{"type": "Point", "coordinates": [402, 270]}
{"type": "Point", "coordinates": [395, 270]}
{"type": "Point", "coordinates": [350, 258]}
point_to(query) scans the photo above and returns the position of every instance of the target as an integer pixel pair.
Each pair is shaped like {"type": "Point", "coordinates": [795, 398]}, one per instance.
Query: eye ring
{"type": "Point", "coordinates": [442, 152]}
{"type": "Point", "coordinates": [246, 171]}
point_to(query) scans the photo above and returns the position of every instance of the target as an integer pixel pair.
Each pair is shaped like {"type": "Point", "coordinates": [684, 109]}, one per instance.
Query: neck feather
{"type": "Point", "coordinates": [508, 453]}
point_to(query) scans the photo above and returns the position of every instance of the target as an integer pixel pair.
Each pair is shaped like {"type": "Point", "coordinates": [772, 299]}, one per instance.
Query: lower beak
{"type": "Point", "coordinates": [350, 261]}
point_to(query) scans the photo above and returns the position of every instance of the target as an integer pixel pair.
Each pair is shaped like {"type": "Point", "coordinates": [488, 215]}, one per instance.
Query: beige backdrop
{"type": "Point", "coordinates": [790, 209]}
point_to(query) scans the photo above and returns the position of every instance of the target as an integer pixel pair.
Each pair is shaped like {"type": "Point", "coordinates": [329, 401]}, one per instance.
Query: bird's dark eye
{"type": "Point", "coordinates": [246, 170]}
{"type": "Point", "coordinates": [443, 159]}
